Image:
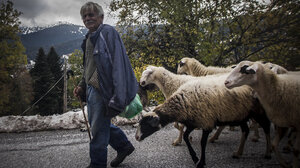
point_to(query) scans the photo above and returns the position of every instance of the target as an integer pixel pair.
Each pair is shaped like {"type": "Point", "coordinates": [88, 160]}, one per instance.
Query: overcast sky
{"type": "Point", "coordinates": [45, 12]}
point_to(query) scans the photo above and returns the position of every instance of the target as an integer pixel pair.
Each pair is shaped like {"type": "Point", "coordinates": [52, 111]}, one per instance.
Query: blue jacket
{"type": "Point", "coordinates": [118, 85]}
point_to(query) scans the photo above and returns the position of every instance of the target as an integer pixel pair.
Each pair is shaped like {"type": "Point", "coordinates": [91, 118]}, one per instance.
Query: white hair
{"type": "Point", "coordinates": [92, 6]}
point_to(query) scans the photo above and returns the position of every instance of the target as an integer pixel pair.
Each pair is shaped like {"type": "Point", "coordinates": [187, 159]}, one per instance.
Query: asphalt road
{"type": "Point", "coordinates": [69, 149]}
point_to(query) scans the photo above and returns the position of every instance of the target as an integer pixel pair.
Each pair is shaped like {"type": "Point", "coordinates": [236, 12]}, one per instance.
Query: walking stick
{"type": "Point", "coordinates": [81, 105]}
{"type": "Point", "coordinates": [86, 122]}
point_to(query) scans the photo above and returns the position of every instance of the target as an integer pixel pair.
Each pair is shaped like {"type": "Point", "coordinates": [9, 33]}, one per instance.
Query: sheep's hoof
{"type": "Point", "coordinates": [176, 142]}
{"type": "Point", "coordinates": [235, 155]}
{"type": "Point", "coordinates": [201, 164]}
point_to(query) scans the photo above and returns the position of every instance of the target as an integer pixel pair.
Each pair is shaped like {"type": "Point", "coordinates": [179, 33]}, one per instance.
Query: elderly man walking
{"type": "Point", "coordinates": [108, 83]}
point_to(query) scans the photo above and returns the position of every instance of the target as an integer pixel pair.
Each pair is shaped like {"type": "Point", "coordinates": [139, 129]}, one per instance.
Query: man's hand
{"type": "Point", "coordinates": [80, 92]}
{"type": "Point", "coordinates": [77, 91]}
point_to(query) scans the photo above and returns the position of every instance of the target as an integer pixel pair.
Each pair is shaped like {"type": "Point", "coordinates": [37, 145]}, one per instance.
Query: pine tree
{"type": "Point", "coordinates": [43, 81]}
{"type": "Point", "coordinates": [55, 65]}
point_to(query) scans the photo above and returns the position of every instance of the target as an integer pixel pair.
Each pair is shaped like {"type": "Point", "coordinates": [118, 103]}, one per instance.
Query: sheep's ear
{"type": "Point", "coordinates": [252, 69]}
{"type": "Point", "coordinates": [246, 69]}
{"type": "Point", "coordinates": [147, 72]}
{"type": "Point", "coordinates": [181, 63]}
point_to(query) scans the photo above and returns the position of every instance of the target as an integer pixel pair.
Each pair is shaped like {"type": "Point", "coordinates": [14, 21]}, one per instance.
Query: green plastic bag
{"type": "Point", "coordinates": [134, 108]}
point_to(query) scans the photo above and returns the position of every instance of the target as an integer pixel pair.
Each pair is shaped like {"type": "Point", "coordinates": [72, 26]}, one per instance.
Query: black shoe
{"type": "Point", "coordinates": [121, 156]}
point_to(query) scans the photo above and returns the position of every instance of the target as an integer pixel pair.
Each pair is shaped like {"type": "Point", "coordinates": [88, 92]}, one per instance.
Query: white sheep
{"type": "Point", "coordinates": [168, 83]}
{"type": "Point", "coordinates": [276, 68]}
{"type": "Point", "coordinates": [191, 66]}
{"type": "Point", "coordinates": [204, 103]}
{"type": "Point", "coordinates": [278, 94]}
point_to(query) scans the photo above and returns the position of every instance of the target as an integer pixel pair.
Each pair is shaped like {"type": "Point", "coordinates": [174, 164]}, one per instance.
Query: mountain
{"type": "Point", "coordinates": [64, 37]}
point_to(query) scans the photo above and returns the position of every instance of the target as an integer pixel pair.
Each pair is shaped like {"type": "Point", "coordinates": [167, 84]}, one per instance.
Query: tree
{"type": "Point", "coordinates": [23, 93]}
{"type": "Point", "coordinates": [279, 34]}
{"type": "Point", "coordinates": [43, 80]}
{"type": "Point", "coordinates": [12, 57]}
{"type": "Point", "coordinates": [215, 33]}
{"type": "Point", "coordinates": [55, 65]}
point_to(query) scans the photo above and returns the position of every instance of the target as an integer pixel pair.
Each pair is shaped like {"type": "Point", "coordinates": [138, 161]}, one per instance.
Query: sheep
{"type": "Point", "coordinates": [205, 103]}
{"type": "Point", "coordinates": [168, 83]}
{"type": "Point", "coordinates": [276, 68]}
{"type": "Point", "coordinates": [278, 94]}
{"type": "Point", "coordinates": [191, 66]}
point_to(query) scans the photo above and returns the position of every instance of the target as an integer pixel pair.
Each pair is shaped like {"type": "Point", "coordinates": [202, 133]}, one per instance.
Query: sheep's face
{"type": "Point", "coordinates": [147, 126]}
{"type": "Point", "coordinates": [276, 68]}
{"type": "Point", "coordinates": [269, 65]}
{"type": "Point", "coordinates": [150, 87]}
{"type": "Point", "coordinates": [243, 74]}
{"type": "Point", "coordinates": [147, 76]}
{"type": "Point", "coordinates": [183, 67]}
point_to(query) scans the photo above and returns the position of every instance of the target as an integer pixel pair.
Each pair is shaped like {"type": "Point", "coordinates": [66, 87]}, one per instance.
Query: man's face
{"type": "Point", "coordinates": [92, 20]}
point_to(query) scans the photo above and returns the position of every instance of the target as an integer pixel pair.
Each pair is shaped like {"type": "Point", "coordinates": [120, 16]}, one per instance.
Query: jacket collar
{"type": "Point", "coordinates": [94, 35]}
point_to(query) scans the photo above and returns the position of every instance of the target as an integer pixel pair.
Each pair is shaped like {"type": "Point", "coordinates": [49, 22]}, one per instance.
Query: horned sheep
{"type": "Point", "coordinates": [204, 103]}
{"type": "Point", "coordinates": [278, 94]}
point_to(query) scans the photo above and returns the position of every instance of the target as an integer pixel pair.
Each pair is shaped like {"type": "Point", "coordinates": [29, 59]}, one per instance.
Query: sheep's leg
{"type": "Point", "coordinates": [245, 132]}
{"type": "Point", "coordinates": [280, 131]}
{"type": "Point", "coordinates": [216, 135]}
{"type": "Point", "coordinates": [291, 139]}
{"type": "Point", "coordinates": [203, 148]}
{"type": "Point", "coordinates": [265, 123]}
{"type": "Point", "coordinates": [268, 141]}
{"type": "Point", "coordinates": [180, 127]}
{"type": "Point", "coordinates": [187, 141]}
{"type": "Point", "coordinates": [296, 150]}
{"type": "Point", "coordinates": [256, 133]}
{"type": "Point", "coordinates": [268, 146]}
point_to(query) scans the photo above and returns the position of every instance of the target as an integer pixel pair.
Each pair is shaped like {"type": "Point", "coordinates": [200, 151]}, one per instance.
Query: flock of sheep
{"type": "Point", "coordinates": [205, 97]}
